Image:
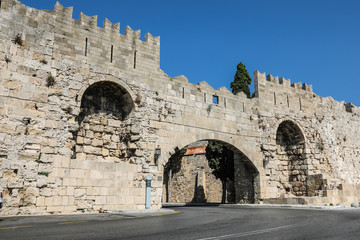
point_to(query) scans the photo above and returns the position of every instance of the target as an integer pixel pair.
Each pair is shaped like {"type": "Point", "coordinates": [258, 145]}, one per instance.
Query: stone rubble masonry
{"type": "Point", "coordinates": [60, 153]}
{"type": "Point", "coordinates": [195, 182]}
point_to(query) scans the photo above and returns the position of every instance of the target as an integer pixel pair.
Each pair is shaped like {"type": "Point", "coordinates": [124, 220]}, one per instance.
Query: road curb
{"type": "Point", "coordinates": [149, 212]}
{"type": "Point", "coordinates": [169, 205]}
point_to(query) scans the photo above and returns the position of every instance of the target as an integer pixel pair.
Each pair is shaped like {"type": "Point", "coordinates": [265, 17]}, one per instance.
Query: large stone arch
{"type": "Point", "coordinates": [231, 141]}
{"type": "Point", "coordinates": [290, 144]}
{"type": "Point", "coordinates": [247, 176]}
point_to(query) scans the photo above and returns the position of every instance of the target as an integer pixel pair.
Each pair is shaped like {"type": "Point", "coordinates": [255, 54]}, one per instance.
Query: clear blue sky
{"type": "Point", "coordinates": [316, 42]}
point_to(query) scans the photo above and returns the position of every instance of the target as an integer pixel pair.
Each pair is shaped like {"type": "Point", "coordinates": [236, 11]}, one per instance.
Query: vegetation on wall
{"type": "Point", "coordinates": [43, 61]}
{"type": "Point", "coordinates": [7, 59]}
{"type": "Point", "coordinates": [18, 40]}
{"type": "Point", "coordinates": [50, 81]}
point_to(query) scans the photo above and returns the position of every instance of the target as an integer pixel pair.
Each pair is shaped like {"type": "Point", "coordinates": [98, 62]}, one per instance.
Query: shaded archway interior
{"type": "Point", "coordinates": [290, 143]}
{"type": "Point", "coordinates": [289, 134]}
{"type": "Point", "coordinates": [107, 98]}
{"type": "Point", "coordinates": [188, 177]}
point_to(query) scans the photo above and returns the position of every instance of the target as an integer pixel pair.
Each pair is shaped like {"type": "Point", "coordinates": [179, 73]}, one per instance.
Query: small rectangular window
{"type": "Point", "coordinates": [215, 99]}
{"type": "Point", "coordinates": [300, 104]}
{"type": "Point", "coordinates": [224, 102]}
{"type": "Point", "coordinates": [183, 92]}
{"type": "Point", "coordinates": [204, 97]}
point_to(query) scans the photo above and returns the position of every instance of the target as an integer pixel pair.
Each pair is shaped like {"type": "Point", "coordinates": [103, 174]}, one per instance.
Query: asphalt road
{"type": "Point", "coordinates": [191, 223]}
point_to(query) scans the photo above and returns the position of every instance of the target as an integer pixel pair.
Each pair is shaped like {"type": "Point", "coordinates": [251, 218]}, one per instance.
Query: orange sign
{"type": "Point", "coordinates": [195, 150]}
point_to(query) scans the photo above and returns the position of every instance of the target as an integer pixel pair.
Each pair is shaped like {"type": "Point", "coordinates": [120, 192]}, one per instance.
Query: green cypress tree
{"type": "Point", "coordinates": [242, 80]}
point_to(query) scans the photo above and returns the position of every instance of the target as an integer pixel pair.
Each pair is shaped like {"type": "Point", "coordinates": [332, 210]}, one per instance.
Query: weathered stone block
{"type": "Point", "coordinates": [15, 183]}
{"type": "Point", "coordinates": [79, 192]}
{"type": "Point", "coordinates": [29, 155]}
{"type": "Point", "coordinates": [97, 142]}
{"type": "Point", "coordinates": [92, 150]}
{"type": "Point", "coordinates": [105, 152]}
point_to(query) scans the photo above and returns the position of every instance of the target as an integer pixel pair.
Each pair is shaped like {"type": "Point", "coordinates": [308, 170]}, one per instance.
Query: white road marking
{"type": "Point", "coordinates": [247, 233]}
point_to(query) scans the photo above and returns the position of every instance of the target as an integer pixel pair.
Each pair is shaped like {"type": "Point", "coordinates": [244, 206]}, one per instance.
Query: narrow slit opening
{"type": "Point", "coordinates": [86, 45]}
{"type": "Point", "coordinates": [135, 52]}
{"type": "Point", "coordinates": [275, 98]}
{"type": "Point", "coordinates": [287, 99]}
{"type": "Point", "coordinates": [112, 52]}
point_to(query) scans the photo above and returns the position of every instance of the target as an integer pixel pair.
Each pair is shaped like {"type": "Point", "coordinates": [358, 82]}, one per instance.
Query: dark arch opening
{"type": "Point", "coordinates": [289, 134]}
{"type": "Point", "coordinates": [106, 98]}
{"type": "Point", "coordinates": [290, 143]}
{"type": "Point", "coordinates": [188, 176]}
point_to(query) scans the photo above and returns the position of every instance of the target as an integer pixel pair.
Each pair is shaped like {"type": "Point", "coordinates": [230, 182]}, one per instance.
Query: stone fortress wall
{"type": "Point", "coordinates": [83, 108]}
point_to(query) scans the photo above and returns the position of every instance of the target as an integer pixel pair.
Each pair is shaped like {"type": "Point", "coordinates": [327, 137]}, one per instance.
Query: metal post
{"type": "Point", "coordinates": [148, 193]}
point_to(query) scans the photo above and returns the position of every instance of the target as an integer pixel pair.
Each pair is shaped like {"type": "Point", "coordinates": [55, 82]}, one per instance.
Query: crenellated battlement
{"type": "Point", "coordinates": [76, 39]}
{"type": "Point", "coordinates": [108, 26]}
{"type": "Point", "coordinates": [281, 92]}
{"type": "Point", "coordinates": [65, 11]}
{"type": "Point", "coordinates": [205, 95]}
{"type": "Point", "coordinates": [87, 20]}
{"type": "Point", "coordinates": [263, 78]}
{"type": "Point", "coordinates": [132, 34]}
{"type": "Point", "coordinates": [269, 89]}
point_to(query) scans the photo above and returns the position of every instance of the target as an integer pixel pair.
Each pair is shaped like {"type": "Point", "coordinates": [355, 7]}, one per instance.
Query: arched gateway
{"type": "Point", "coordinates": [188, 176]}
